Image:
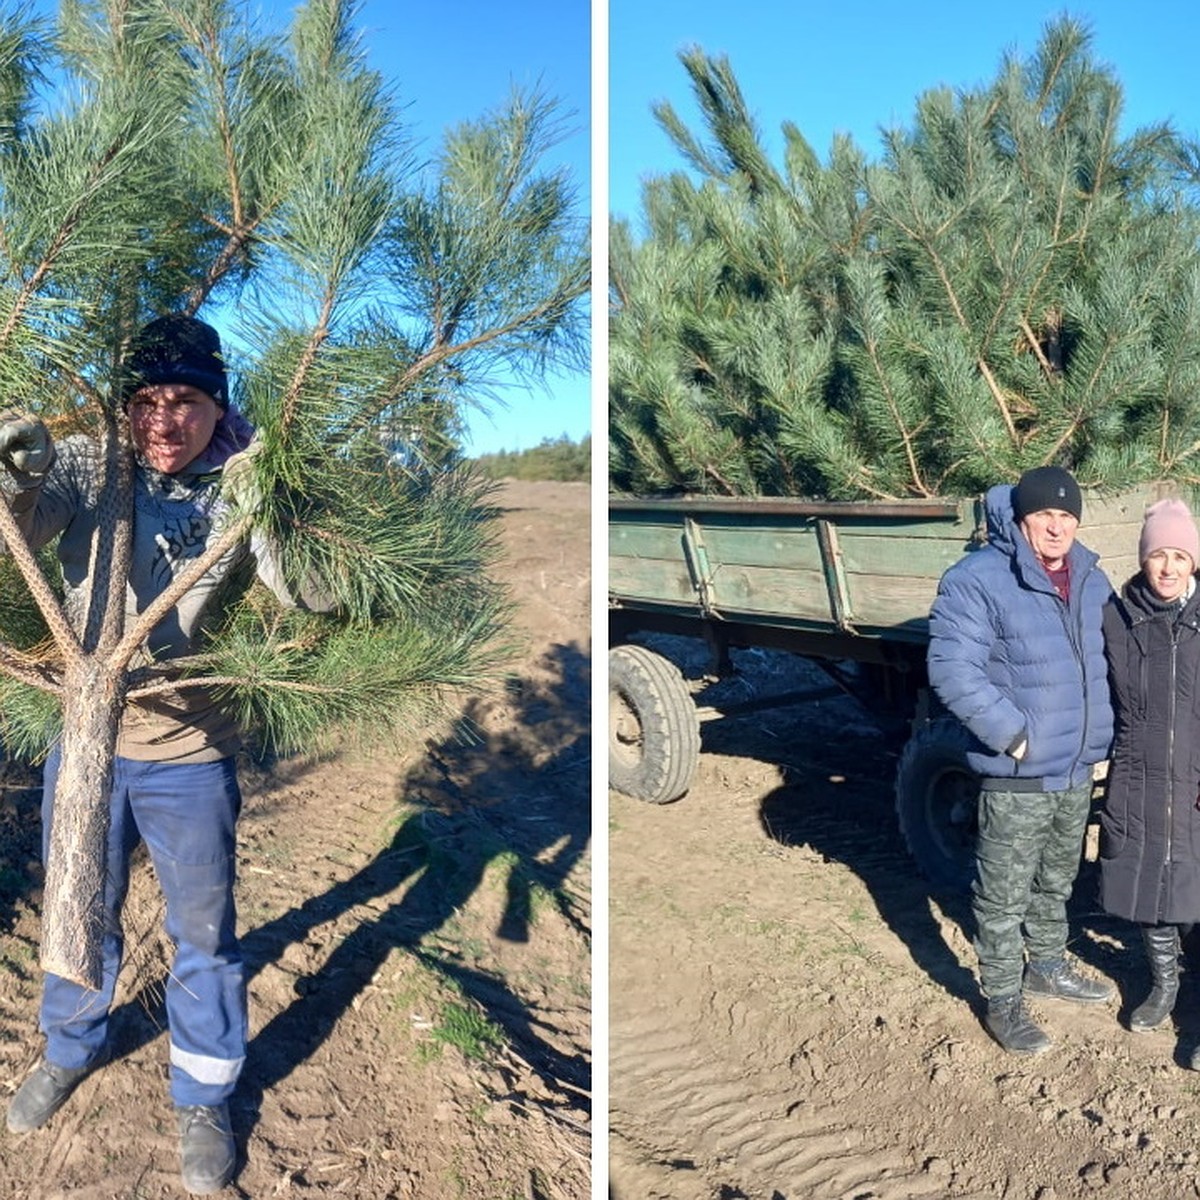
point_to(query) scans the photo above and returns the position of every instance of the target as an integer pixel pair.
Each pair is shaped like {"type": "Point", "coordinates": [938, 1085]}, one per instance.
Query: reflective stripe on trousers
{"type": "Point", "coordinates": [187, 815]}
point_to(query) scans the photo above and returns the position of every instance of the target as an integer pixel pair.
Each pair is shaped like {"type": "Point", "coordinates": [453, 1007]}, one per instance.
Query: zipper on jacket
{"type": "Point", "coordinates": [1171, 735]}
{"type": "Point", "coordinates": [1079, 647]}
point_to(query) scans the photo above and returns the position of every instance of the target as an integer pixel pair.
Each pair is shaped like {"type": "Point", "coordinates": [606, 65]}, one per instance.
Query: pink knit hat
{"type": "Point", "coordinates": [1169, 525]}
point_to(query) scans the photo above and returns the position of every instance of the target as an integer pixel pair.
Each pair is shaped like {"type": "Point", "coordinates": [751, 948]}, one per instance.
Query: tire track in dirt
{"type": "Point", "coordinates": [725, 1128]}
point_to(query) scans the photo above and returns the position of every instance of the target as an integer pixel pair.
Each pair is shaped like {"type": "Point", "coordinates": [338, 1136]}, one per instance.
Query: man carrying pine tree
{"type": "Point", "coordinates": [174, 780]}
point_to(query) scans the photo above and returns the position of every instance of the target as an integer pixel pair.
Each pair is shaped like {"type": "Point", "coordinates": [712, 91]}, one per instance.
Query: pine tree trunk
{"type": "Point", "coordinates": [73, 908]}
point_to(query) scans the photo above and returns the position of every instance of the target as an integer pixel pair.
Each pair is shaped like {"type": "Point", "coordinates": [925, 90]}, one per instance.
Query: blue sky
{"type": "Point", "coordinates": [853, 68]}
{"type": "Point", "coordinates": [453, 61]}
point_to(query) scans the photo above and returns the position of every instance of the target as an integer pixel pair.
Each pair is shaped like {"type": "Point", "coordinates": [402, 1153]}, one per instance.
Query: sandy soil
{"type": "Point", "coordinates": [794, 1014]}
{"type": "Point", "coordinates": [417, 927]}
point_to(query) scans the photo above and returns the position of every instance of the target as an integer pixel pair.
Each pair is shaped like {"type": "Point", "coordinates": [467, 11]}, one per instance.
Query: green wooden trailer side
{"type": "Point", "coordinates": [837, 582]}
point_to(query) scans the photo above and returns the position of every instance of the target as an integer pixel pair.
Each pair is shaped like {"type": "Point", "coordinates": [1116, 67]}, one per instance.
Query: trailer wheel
{"type": "Point", "coordinates": [653, 730]}
{"type": "Point", "coordinates": [937, 802]}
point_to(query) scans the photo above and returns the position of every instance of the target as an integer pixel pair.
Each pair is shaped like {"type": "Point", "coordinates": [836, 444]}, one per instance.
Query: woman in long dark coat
{"type": "Point", "coordinates": [1150, 843]}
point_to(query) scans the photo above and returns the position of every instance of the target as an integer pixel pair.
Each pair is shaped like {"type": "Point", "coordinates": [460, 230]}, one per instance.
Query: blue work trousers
{"type": "Point", "coordinates": [187, 814]}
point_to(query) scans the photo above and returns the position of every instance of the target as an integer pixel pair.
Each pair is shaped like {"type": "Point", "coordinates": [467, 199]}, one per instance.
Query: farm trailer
{"type": "Point", "coordinates": [846, 585]}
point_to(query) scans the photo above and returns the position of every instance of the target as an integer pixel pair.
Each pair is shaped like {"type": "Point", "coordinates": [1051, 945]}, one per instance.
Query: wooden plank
{"type": "Point", "coordinates": [789, 506]}
{"type": "Point", "coordinates": [881, 601]}
{"type": "Point", "coordinates": [749, 546]}
{"type": "Point", "coordinates": [868, 555]}
{"type": "Point", "coordinates": [651, 579]}
{"type": "Point", "coordinates": [767, 565]}
{"type": "Point", "coordinates": [763, 591]}
{"type": "Point", "coordinates": [797, 546]}
{"type": "Point", "coordinates": [907, 530]}
{"type": "Point", "coordinates": [652, 540]}
{"type": "Point", "coordinates": [892, 527]}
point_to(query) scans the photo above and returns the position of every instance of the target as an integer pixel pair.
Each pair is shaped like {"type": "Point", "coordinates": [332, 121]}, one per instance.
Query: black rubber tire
{"type": "Point", "coordinates": [937, 803]}
{"type": "Point", "coordinates": [653, 727]}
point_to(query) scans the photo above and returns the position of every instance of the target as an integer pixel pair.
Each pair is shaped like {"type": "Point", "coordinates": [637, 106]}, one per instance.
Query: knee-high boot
{"type": "Point", "coordinates": [1162, 952]}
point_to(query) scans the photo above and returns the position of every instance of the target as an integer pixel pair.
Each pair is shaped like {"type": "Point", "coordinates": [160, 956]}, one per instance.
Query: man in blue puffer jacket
{"type": "Point", "coordinates": [1017, 655]}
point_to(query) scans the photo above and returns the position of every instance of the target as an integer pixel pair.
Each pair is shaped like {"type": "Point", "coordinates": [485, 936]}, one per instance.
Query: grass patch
{"type": "Point", "coordinates": [441, 1014]}
{"type": "Point", "coordinates": [466, 1028]}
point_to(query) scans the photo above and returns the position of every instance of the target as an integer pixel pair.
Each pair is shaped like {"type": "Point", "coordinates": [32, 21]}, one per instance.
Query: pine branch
{"type": "Point", "coordinates": [959, 315]}
{"type": "Point", "coordinates": [308, 357]}
{"type": "Point", "coordinates": [47, 603]}
{"type": "Point", "coordinates": [61, 238]}
{"type": "Point", "coordinates": [1036, 346]}
{"type": "Point", "coordinates": [30, 670]}
{"type": "Point", "coordinates": [170, 687]}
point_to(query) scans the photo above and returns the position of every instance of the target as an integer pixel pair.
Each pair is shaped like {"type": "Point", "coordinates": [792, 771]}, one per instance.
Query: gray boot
{"type": "Point", "coordinates": [1162, 952]}
{"type": "Point", "coordinates": [207, 1152]}
{"type": "Point", "coordinates": [1009, 1022]}
{"type": "Point", "coordinates": [42, 1094]}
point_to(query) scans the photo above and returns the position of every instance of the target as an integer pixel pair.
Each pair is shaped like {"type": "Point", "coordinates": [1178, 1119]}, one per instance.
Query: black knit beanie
{"type": "Point", "coordinates": [1047, 487]}
{"type": "Point", "coordinates": [178, 349]}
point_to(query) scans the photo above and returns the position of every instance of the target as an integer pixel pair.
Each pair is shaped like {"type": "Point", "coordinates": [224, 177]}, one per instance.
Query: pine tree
{"type": "Point", "coordinates": [185, 161]}
{"type": "Point", "coordinates": [1012, 283]}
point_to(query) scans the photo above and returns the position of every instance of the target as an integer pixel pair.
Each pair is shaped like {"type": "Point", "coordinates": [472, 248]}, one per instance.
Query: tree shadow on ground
{"type": "Point", "coordinates": [521, 795]}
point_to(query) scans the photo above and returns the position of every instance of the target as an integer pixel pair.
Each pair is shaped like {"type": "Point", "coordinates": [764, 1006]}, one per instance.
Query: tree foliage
{"type": "Point", "coordinates": [1012, 283]}
{"type": "Point", "coordinates": [557, 458]}
{"type": "Point", "coordinates": [173, 156]}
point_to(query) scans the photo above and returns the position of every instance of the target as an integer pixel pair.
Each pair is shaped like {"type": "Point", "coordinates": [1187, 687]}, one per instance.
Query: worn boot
{"type": "Point", "coordinates": [1162, 952]}
{"type": "Point", "coordinates": [206, 1148]}
{"type": "Point", "coordinates": [42, 1094]}
{"type": "Point", "coordinates": [1057, 978]}
{"type": "Point", "coordinates": [1009, 1022]}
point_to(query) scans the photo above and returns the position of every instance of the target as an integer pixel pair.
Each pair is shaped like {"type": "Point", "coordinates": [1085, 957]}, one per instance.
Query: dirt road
{"type": "Point", "coordinates": [417, 927]}
{"type": "Point", "coordinates": [794, 1015]}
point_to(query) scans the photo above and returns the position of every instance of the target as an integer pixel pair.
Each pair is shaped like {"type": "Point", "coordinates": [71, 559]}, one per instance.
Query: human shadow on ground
{"type": "Point", "coordinates": [836, 801]}
{"type": "Point", "coordinates": [521, 796]}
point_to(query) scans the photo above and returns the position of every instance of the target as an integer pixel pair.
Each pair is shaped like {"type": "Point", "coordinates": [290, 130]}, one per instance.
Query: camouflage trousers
{"type": "Point", "coordinates": [1026, 860]}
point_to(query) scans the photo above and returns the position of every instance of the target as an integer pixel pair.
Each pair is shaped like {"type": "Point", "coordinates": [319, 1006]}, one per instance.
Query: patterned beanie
{"type": "Point", "coordinates": [178, 349]}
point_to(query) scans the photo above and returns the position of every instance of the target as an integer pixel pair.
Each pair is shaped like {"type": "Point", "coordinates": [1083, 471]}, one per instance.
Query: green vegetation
{"type": "Point", "coordinates": [558, 459]}
{"type": "Point", "coordinates": [365, 305]}
{"type": "Point", "coordinates": [451, 1018]}
{"type": "Point", "coordinates": [465, 1027]}
{"type": "Point", "coordinates": [171, 156]}
{"type": "Point", "coordinates": [1012, 283]}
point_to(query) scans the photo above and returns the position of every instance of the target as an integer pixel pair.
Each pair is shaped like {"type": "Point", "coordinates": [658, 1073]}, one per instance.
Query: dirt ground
{"type": "Point", "coordinates": [417, 926]}
{"type": "Point", "coordinates": [794, 1015]}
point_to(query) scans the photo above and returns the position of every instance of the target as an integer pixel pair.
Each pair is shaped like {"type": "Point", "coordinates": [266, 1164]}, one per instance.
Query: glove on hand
{"type": "Point", "coordinates": [239, 480]}
{"type": "Point", "coordinates": [25, 448]}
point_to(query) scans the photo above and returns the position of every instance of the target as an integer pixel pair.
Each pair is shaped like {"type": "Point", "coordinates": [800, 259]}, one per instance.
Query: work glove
{"type": "Point", "coordinates": [25, 448]}
{"type": "Point", "coordinates": [239, 480]}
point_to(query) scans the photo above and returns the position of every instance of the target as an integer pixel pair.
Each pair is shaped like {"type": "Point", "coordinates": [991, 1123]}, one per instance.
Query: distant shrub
{"type": "Point", "coordinates": [559, 459]}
